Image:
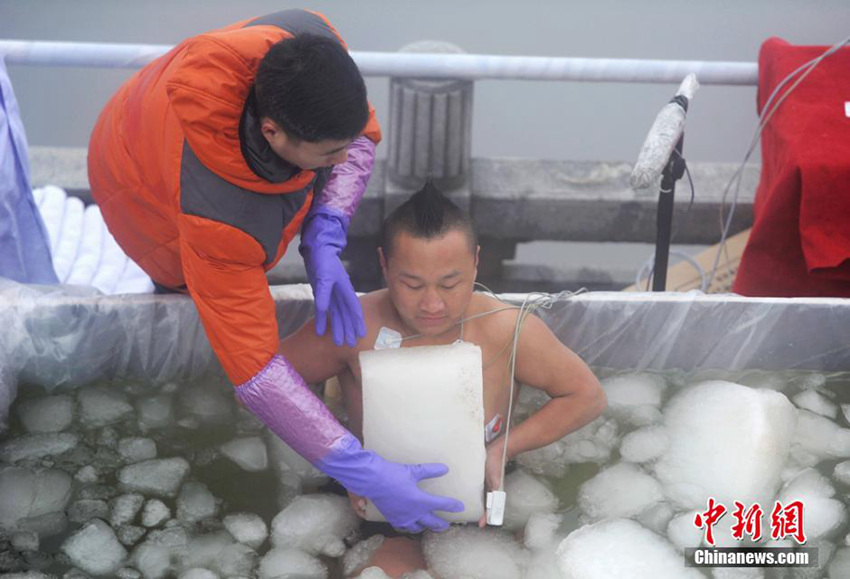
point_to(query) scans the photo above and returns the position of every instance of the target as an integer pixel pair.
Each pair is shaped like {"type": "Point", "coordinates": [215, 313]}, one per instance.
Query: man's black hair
{"type": "Point", "coordinates": [428, 214]}
{"type": "Point", "coordinates": [310, 86]}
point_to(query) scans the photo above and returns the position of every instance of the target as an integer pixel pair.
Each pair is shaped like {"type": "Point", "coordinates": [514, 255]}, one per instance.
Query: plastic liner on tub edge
{"type": "Point", "coordinates": [64, 336]}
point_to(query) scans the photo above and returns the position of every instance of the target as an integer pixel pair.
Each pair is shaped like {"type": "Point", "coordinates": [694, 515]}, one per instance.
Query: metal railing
{"type": "Point", "coordinates": [402, 65]}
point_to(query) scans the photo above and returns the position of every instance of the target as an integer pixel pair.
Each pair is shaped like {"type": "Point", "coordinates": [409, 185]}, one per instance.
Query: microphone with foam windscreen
{"type": "Point", "coordinates": [663, 136]}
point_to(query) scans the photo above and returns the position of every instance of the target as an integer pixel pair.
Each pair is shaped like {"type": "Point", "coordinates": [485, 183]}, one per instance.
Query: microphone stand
{"type": "Point", "coordinates": [673, 171]}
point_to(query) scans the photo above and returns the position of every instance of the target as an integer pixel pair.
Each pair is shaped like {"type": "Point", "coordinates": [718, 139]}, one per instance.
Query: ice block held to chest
{"type": "Point", "coordinates": [426, 404]}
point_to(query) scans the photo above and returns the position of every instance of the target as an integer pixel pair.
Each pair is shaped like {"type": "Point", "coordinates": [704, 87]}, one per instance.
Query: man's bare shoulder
{"type": "Point", "coordinates": [377, 312]}
{"type": "Point", "coordinates": [493, 312]}
{"type": "Point", "coordinates": [493, 320]}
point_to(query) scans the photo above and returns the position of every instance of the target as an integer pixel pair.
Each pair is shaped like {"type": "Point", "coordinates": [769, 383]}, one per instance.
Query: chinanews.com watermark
{"type": "Point", "coordinates": [751, 557]}
{"type": "Point", "coordinates": [786, 524]}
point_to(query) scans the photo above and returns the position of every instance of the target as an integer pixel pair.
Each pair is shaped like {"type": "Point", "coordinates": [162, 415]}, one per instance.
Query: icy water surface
{"type": "Point", "coordinates": [123, 480]}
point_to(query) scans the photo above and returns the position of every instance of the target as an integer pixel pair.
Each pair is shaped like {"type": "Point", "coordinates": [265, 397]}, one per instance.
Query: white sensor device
{"type": "Point", "coordinates": [496, 508]}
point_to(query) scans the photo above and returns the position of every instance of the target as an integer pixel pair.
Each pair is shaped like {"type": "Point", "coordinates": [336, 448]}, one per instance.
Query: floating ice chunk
{"type": "Point", "coordinates": [153, 561]}
{"type": "Point", "coordinates": [822, 515]}
{"type": "Point", "coordinates": [155, 513]}
{"type": "Point", "coordinates": [219, 552]}
{"type": "Point", "coordinates": [189, 423]}
{"type": "Point", "coordinates": [85, 510]}
{"type": "Point", "coordinates": [124, 509]}
{"type": "Point", "coordinates": [129, 535]}
{"type": "Point", "coordinates": [634, 398]}
{"type": "Point", "coordinates": [86, 475]}
{"type": "Point", "coordinates": [101, 406]}
{"type": "Point", "coordinates": [683, 533]}
{"type": "Point", "coordinates": [657, 517]}
{"type": "Point", "coordinates": [158, 556]}
{"type": "Point", "coordinates": [44, 526]}
{"type": "Point", "coordinates": [198, 573]}
{"type": "Point", "coordinates": [249, 453]}
{"type": "Point", "coordinates": [160, 477]}
{"type": "Point", "coordinates": [623, 490]}
{"type": "Point", "coordinates": [25, 541]}
{"type": "Point", "coordinates": [137, 449]}
{"type": "Point", "coordinates": [25, 494]}
{"type": "Point", "coordinates": [316, 524]}
{"type": "Point", "coordinates": [821, 437]}
{"type": "Point", "coordinates": [839, 566]}
{"type": "Point", "coordinates": [108, 437]}
{"type": "Point", "coordinates": [209, 403]}
{"type": "Point", "coordinates": [645, 444]}
{"type": "Point", "coordinates": [155, 412]}
{"type": "Point", "coordinates": [620, 548]}
{"type": "Point", "coordinates": [46, 414]}
{"type": "Point", "coordinates": [548, 460]}
{"type": "Point", "coordinates": [817, 403]}
{"type": "Point", "coordinates": [541, 531]}
{"type": "Point", "coordinates": [36, 446]}
{"type": "Point", "coordinates": [195, 503]}
{"type": "Point", "coordinates": [525, 496]}
{"type": "Point", "coordinates": [727, 441]}
{"type": "Point", "coordinates": [286, 463]}
{"type": "Point", "coordinates": [814, 381]}
{"type": "Point", "coordinates": [474, 553]}
{"type": "Point", "coordinates": [842, 472]}
{"type": "Point", "coordinates": [373, 573]}
{"type": "Point", "coordinates": [247, 528]}
{"type": "Point", "coordinates": [95, 549]}
{"type": "Point", "coordinates": [289, 563]}
{"type": "Point", "coordinates": [542, 537]}
{"type": "Point", "coordinates": [592, 443]}
{"type": "Point", "coordinates": [808, 482]}
{"type": "Point", "coordinates": [360, 554]}
{"type": "Point", "coordinates": [845, 410]}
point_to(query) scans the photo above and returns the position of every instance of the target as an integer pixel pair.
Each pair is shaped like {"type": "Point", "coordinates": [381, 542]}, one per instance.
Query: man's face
{"type": "Point", "coordinates": [430, 280]}
{"type": "Point", "coordinates": [304, 154]}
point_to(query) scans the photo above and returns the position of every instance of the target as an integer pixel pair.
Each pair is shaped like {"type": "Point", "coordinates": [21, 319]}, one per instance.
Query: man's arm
{"type": "Point", "coordinates": [315, 357]}
{"type": "Point", "coordinates": [543, 362]}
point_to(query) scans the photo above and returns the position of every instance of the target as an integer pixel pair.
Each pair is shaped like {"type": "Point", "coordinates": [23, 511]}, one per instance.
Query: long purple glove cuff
{"type": "Point", "coordinates": [348, 181]}
{"type": "Point", "coordinates": [279, 397]}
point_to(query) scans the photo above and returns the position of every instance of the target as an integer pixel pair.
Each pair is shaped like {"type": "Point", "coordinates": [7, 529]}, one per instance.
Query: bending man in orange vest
{"type": "Point", "coordinates": [205, 164]}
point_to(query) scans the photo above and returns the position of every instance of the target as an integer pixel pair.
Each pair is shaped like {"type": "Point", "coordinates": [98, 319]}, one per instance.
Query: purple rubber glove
{"type": "Point", "coordinates": [278, 396]}
{"type": "Point", "coordinates": [322, 240]}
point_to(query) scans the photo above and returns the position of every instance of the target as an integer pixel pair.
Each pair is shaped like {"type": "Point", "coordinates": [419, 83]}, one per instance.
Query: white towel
{"type": "Point", "coordinates": [83, 250]}
{"type": "Point", "coordinates": [91, 248]}
{"type": "Point", "coordinates": [52, 209]}
{"type": "Point", "coordinates": [69, 239]}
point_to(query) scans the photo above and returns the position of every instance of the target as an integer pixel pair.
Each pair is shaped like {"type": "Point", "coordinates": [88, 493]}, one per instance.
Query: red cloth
{"type": "Point", "coordinates": [800, 242]}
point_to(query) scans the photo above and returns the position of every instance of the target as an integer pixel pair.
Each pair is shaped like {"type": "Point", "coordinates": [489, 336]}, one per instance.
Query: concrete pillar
{"type": "Point", "coordinates": [430, 133]}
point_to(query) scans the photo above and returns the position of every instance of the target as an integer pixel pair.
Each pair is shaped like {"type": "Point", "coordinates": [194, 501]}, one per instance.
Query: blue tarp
{"type": "Point", "coordinates": [24, 245]}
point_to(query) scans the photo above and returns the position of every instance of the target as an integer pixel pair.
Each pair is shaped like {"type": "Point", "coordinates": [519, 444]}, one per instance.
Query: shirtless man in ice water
{"type": "Point", "coordinates": [429, 258]}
